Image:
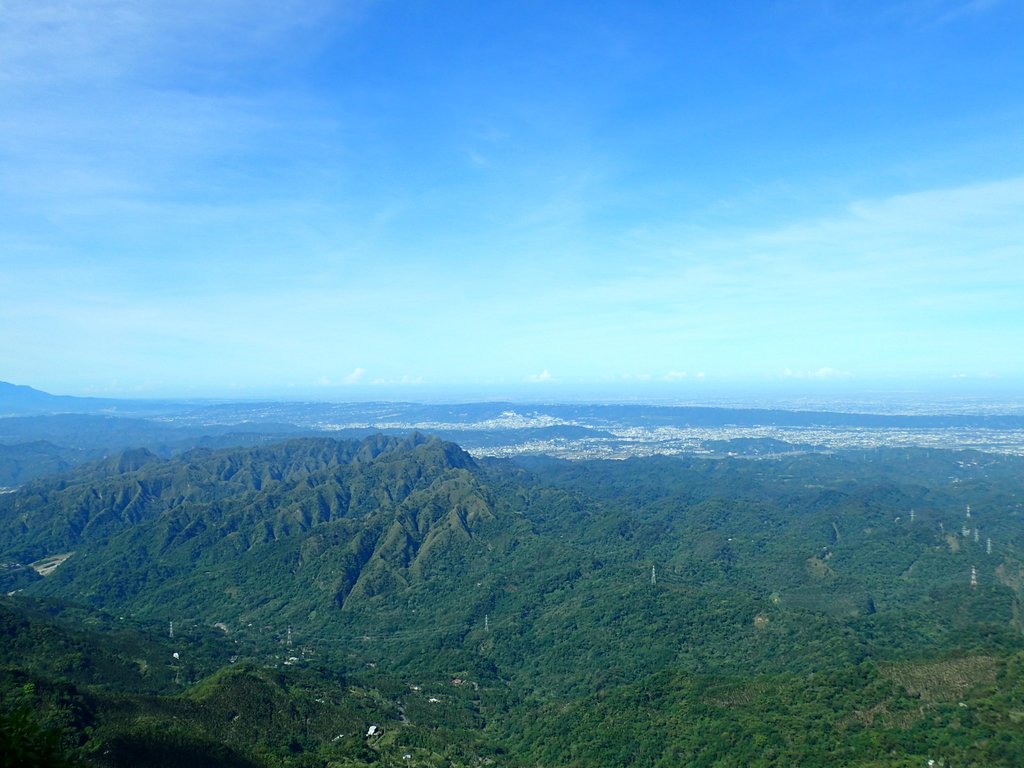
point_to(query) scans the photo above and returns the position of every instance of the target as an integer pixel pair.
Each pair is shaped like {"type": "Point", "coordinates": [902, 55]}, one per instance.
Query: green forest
{"type": "Point", "coordinates": [394, 601]}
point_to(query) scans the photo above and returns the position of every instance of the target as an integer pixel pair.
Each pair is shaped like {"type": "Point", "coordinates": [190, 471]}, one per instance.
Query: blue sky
{"type": "Point", "coordinates": [389, 199]}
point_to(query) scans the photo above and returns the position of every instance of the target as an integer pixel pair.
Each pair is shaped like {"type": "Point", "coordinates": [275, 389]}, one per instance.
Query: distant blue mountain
{"type": "Point", "coordinates": [21, 400]}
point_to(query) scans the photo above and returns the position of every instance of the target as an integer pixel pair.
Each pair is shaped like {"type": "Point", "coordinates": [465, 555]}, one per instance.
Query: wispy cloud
{"type": "Point", "coordinates": [924, 281]}
{"type": "Point", "coordinates": [178, 176]}
{"type": "Point", "coordinates": [116, 105]}
{"type": "Point", "coordinates": [970, 8]}
{"type": "Point", "coordinates": [478, 159]}
{"type": "Point", "coordinates": [907, 249]}
{"type": "Point", "coordinates": [105, 39]}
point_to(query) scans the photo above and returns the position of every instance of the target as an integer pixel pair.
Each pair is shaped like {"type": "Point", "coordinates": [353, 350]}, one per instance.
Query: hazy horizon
{"type": "Point", "coordinates": [1000, 397]}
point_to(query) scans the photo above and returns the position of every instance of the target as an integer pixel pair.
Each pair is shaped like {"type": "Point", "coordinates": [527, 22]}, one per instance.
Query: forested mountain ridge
{"type": "Point", "coordinates": [136, 485]}
{"type": "Point", "coordinates": [656, 592]}
{"type": "Point", "coordinates": [379, 507]}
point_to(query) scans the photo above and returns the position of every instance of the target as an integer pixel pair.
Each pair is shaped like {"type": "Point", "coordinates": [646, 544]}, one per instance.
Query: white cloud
{"type": "Point", "coordinates": [982, 375]}
{"type": "Point", "coordinates": [356, 376]}
{"type": "Point", "coordinates": [829, 373]}
{"type": "Point", "coordinates": [824, 372]}
{"type": "Point", "coordinates": [675, 376]}
{"type": "Point", "coordinates": [405, 380]}
{"type": "Point", "coordinates": [539, 377]}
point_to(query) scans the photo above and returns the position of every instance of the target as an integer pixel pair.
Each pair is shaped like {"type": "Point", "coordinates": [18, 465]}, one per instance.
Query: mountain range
{"type": "Point", "coordinates": [657, 611]}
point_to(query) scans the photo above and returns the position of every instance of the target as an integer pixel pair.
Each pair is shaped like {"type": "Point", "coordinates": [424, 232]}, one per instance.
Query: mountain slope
{"type": "Point", "coordinates": [343, 519]}
{"type": "Point", "coordinates": [573, 599]}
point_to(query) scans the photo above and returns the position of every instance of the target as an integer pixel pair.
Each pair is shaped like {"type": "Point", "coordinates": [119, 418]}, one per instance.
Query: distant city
{"type": "Point", "coordinates": [617, 431]}
{"type": "Point", "coordinates": [745, 427]}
